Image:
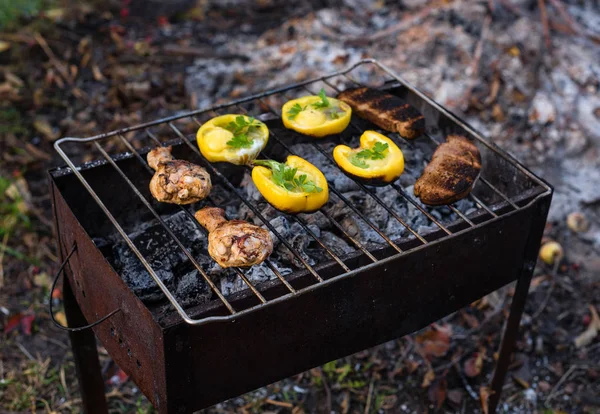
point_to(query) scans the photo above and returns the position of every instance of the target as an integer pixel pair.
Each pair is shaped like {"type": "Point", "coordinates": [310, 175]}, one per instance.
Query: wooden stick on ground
{"type": "Point", "coordinates": [571, 23]}
{"type": "Point", "coordinates": [58, 65]}
{"type": "Point", "coordinates": [544, 17]}
{"type": "Point", "coordinates": [401, 26]}
{"type": "Point", "coordinates": [476, 60]}
{"type": "Point", "coordinates": [511, 7]}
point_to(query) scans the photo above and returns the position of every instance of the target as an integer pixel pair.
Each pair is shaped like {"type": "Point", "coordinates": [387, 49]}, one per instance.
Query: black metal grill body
{"type": "Point", "coordinates": [184, 362]}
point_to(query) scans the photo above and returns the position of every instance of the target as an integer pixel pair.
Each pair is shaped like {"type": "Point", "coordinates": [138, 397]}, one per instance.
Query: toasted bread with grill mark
{"type": "Point", "coordinates": [385, 110]}
{"type": "Point", "coordinates": [451, 173]}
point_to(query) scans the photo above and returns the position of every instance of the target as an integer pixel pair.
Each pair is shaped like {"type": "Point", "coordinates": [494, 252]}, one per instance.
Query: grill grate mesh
{"type": "Point", "coordinates": [260, 103]}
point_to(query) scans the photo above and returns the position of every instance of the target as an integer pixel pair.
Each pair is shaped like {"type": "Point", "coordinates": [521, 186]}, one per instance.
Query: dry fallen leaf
{"type": "Point", "coordinates": [484, 395]}
{"type": "Point", "coordinates": [521, 382]}
{"type": "Point", "coordinates": [42, 279]}
{"type": "Point", "coordinates": [543, 386]}
{"type": "Point", "coordinates": [61, 318]}
{"type": "Point", "coordinates": [98, 76]}
{"type": "Point", "coordinates": [587, 336]}
{"type": "Point", "coordinates": [411, 365]}
{"type": "Point", "coordinates": [434, 342]}
{"type": "Point", "coordinates": [345, 404]}
{"type": "Point", "coordinates": [437, 392]}
{"type": "Point", "coordinates": [471, 320]}
{"type": "Point", "coordinates": [473, 365]}
{"type": "Point", "coordinates": [4, 46]}
{"type": "Point", "coordinates": [19, 320]}
{"type": "Point", "coordinates": [120, 377]}
{"type": "Point", "coordinates": [428, 378]}
{"type": "Point", "coordinates": [55, 14]}
{"type": "Point", "coordinates": [498, 113]}
{"type": "Point", "coordinates": [18, 191]}
{"type": "Point", "coordinates": [43, 127]}
{"type": "Point", "coordinates": [14, 79]}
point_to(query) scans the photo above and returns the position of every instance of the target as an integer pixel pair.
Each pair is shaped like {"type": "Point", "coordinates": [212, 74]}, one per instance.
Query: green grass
{"type": "Point", "coordinates": [11, 211]}
{"type": "Point", "coordinates": [11, 121]}
{"type": "Point", "coordinates": [12, 11]}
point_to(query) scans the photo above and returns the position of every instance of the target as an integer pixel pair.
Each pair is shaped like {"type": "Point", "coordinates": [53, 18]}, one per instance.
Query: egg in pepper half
{"type": "Point", "coordinates": [317, 116]}
{"type": "Point", "coordinates": [295, 186]}
{"type": "Point", "coordinates": [237, 139]}
{"type": "Point", "coordinates": [378, 161]}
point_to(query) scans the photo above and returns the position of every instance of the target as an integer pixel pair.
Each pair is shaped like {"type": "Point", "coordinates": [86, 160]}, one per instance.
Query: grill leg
{"type": "Point", "coordinates": [518, 303]}
{"type": "Point", "coordinates": [508, 339]}
{"type": "Point", "coordinates": [83, 344]}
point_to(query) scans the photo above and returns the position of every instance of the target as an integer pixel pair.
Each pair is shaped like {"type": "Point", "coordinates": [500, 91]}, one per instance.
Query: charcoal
{"type": "Point", "coordinates": [337, 244]}
{"type": "Point", "coordinates": [167, 260]}
{"type": "Point", "coordinates": [232, 283]}
{"type": "Point", "coordinates": [189, 287]}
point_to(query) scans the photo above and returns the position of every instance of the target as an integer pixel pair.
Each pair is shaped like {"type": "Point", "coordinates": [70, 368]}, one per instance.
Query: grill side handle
{"type": "Point", "coordinates": [56, 323]}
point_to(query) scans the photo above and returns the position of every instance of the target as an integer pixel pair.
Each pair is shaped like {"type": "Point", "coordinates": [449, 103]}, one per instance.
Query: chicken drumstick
{"type": "Point", "coordinates": [177, 181]}
{"type": "Point", "coordinates": [234, 243]}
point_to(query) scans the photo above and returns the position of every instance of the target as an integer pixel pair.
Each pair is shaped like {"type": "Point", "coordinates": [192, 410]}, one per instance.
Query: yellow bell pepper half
{"type": "Point", "coordinates": [237, 139]}
{"type": "Point", "coordinates": [378, 161]}
{"type": "Point", "coordinates": [294, 187]}
{"type": "Point", "coordinates": [317, 116]}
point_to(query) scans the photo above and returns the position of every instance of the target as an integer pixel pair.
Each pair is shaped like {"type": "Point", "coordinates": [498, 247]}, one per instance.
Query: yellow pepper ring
{"type": "Point", "coordinates": [292, 201]}
{"type": "Point", "coordinates": [313, 121]}
{"type": "Point", "coordinates": [379, 172]}
{"type": "Point", "coordinates": [212, 138]}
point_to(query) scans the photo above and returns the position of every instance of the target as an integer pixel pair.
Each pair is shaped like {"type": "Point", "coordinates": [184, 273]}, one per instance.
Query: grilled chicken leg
{"type": "Point", "coordinates": [234, 243]}
{"type": "Point", "coordinates": [177, 181]}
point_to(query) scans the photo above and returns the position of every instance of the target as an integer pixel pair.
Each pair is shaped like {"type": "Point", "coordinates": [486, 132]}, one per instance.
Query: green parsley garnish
{"type": "Point", "coordinates": [376, 153]}
{"type": "Point", "coordinates": [240, 141]}
{"type": "Point", "coordinates": [295, 110]}
{"type": "Point", "coordinates": [240, 128]}
{"type": "Point", "coordinates": [285, 177]}
{"type": "Point", "coordinates": [360, 163]}
{"type": "Point", "coordinates": [324, 103]}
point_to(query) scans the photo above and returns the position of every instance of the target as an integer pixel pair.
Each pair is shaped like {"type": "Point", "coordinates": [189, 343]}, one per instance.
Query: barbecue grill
{"type": "Point", "coordinates": [185, 355]}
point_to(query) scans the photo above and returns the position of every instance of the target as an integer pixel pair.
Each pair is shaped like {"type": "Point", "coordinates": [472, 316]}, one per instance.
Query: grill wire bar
{"type": "Point", "coordinates": [170, 232]}
{"type": "Point", "coordinates": [188, 213]}
{"type": "Point", "coordinates": [450, 206]}
{"type": "Point", "coordinates": [305, 227]}
{"type": "Point", "coordinates": [260, 98]}
{"type": "Point", "coordinates": [191, 216]}
{"type": "Point", "coordinates": [250, 206]}
{"type": "Point", "coordinates": [486, 182]}
{"type": "Point", "coordinates": [372, 195]}
{"type": "Point", "coordinates": [340, 195]}
{"type": "Point", "coordinates": [324, 211]}
{"type": "Point", "coordinates": [347, 202]}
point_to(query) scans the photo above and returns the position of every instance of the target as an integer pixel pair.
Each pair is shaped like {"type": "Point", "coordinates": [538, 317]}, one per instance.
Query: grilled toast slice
{"type": "Point", "coordinates": [385, 110]}
{"type": "Point", "coordinates": [451, 173]}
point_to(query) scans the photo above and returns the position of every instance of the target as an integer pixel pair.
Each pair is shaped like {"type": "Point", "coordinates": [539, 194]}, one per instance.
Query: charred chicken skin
{"type": "Point", "coordinates": [177, 181]}
{"type": "Point", "coordinates": [234, 243]}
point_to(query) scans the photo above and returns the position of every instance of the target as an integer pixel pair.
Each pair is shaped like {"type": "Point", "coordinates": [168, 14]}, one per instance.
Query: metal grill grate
{"type": "Point", "coordinates": [268, 102]}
